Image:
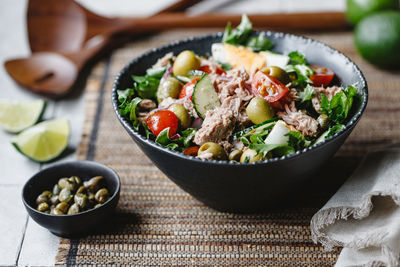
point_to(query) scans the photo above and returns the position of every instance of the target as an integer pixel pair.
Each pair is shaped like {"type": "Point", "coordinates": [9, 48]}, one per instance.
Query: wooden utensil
{"type": "Point", "coordinates": [54, 74]}
{"type": "Point", "coordinates": [65, 25]}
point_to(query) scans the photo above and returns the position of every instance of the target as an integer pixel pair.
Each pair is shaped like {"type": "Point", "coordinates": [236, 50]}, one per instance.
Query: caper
{"type": "Point", "coordinates": [323, 120]}
{"type": "Point", "coordinates": [56, 189]}
{"type": "Point", "coordinates": [81, 200]}
{"type": "Point", "coordinates": [94, 183]}
{"type": "Point", "coordinates": [170, 87]}
{"type": "Point", "coordinates": [63, 206]}
{"type": "Point", "coordinates": [43, 197]}
{"type": "Point", "coordinates": [259, 110]}
{"type": "Point", "coordinates": [235, 155]}
{"type": "Point", "coordinates": [250, 155]}
{"type": "Point", "coordinates": [101, 195]}
{"type": "Point", "coordinates": [74, 209]}
{"type": "Point", "coordinates": [43, 207]}
{"type": "Point", "coordinates": [56, 212]}
{"type": "Point", "coordinates": [182, 115]}
{"type": "Point", "coordinates": [184, 62]}
{"type": "Point", "coordinates": [277, 73]}
{"type": "Point", "coordinates": [67, 183]}
{"type": "Point", "coordinates": [215, 149]}
{"type": "Point", "coordinates": [81, 190]}
{"type": "Point", "coordinates": [65, 195]}
{"type": "Point", "coordinates": [75, 179]}
{"type": "Point", "coordinates": [91, 200]}
{"type": "Point", "coordinates": [54, 200]}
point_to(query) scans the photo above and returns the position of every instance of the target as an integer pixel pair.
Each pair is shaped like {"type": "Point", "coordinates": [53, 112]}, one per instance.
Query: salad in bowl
{"type": "Point", "coordinates": [240, 103]}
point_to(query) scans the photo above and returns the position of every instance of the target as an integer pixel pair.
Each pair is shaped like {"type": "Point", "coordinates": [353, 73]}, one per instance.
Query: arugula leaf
{"type": "Point", "coordinates": [279, 150]}
{"type": "Point", "coordinates": [297, 58]}
{"type": "Point", "coordinates": [239, 35]}
{"type": "Point", "coordinates": [334, 129]}
{"type": "Point", "coordinates": [132, 106]}
{"type": "Point", "coordinates": [157, 72]}
{"type": "Point", "coordinates": [307, 93]}
{"type": "Point", "coordinates": [339, 106]}
{"type": "Point", "coordinates": [146, 86]}
{"type": "Point", "coordinates": [180, 144]}
{"type": "Point", "coordinates": [296, 140]}
{"type": "Point", "coordinates": [299, 66]}
{"type": "Point", "coordinates": [124, 96]}
{"type": "Point", "coordinates": [260, 43]}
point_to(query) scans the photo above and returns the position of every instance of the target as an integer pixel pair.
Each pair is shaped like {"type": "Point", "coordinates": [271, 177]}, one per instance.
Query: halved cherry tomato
{"type": "Point", "coordinates": [191, 151]}
{"type": "Point", "coordinates": [207, 70]}
{"type": "Point", "coordinates": [322, 76]}
{"type": "Point", "coordinates": [187, 89]}
{"type": "Point", "coordinates": [268, 87]}
{"type": "Point", "coordinates": [162, 119]}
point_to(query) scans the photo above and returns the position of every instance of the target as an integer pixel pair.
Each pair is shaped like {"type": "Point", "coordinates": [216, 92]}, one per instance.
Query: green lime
{"type": "Point", "coordinates": [377, 38]}
{"type": "Point", "coordinates": [358, 9]}
{"type": "Point", "coordinates": [44, 141]}
{"type": "Point", "coordinates": [16, 116]}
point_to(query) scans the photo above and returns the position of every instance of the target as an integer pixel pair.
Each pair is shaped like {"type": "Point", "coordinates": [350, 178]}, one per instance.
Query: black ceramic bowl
{"type": "Point", "coordinates": [77, 224]}
{"type": "Point", "coordinates": [239, 187]}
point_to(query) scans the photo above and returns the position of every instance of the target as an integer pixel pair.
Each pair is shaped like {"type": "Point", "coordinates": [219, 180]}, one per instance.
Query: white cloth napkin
{"type": "Point", "coordinates": [364, 215]}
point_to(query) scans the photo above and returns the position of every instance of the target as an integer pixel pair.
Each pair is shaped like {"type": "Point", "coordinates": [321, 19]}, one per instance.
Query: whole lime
{"type": "Point", "coordinates": [358, 9]}
{"type": "Point", "coordinates": [377, 38]}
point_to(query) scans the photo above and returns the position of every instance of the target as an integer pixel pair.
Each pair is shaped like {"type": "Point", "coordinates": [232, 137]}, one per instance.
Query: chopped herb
{"type": "Point", "coordinates": [339, 106]}
{"type": "Point", "coordinates": [307, 93]}
{"type": "Point", "coordinates": [296, 140]}
{"type": "Point", "coordinates": [260, 43]}
{"type": "Point", "coordinates": [279, 150]}
{"type": "Point", "coordinates": [297, 58]}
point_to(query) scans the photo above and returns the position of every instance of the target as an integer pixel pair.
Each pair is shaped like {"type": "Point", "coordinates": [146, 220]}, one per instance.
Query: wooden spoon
{"type": "Point", "coordinates": [65, 26]}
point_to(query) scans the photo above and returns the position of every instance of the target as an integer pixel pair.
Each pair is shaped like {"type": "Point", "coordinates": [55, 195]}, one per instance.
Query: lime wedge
{"type": "Point", "coordinates": [16, 116]}
{"type": "Point", "coordinates": [44, 141]}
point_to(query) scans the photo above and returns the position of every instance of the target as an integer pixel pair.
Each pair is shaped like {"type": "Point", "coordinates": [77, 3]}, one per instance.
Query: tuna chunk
{"type": "Point", "coordinates": [329, 92]}
{"type": "Point", "coordinates": [307, 125]}
{"type": "Point", "coordinates": [219, 123]}
{"type": "Point", "coordinates": [185, 102]}
{"type": "Point", "coordinates": [236, 83]}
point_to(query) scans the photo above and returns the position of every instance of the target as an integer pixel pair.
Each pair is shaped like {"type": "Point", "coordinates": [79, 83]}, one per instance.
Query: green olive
{"type": "Point", "coordinates": [215, 149]}
{"type": "Point", "coordinates": [259, 110]}
{"type": "Point", "coordinates": [67, 183]}
{"type": "Point", "coordinates": [81, 200]}
{"type": "Point", "coordinates": [74, 209]}
{"type": "Point", "coordinates": [44, 197]}
{"type": "Point", "coordinates": [323, 120]}
{"type": "Point", "coordinates": [43, 207]}
{"type": "Point", "coordinates": [65, 195]}
{"type": "Point", "coordinates": [235, 155]}
{"type": "Point", "coordinates": [171, 87]}
{"type": "Point", "coordinates": [250, 155]}
{"type": "Point", "coordinates": [63, 206]}
{"type": "Point", "coordinates": [101, 195]}
{"type": "Point", "coordinates": [94, 183]}
{"type": "Point", "coordinates": [185, 62]}
{"type": "Point", "coordinates": [278, 73]}
{"type": "Point", "coordinates": [182, 115]}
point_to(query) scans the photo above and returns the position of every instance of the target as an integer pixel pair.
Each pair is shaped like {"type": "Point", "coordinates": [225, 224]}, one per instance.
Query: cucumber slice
{"type": "Point", "coordinates": [204, 96]}
{"type": "Point", "coordinates": [256, 129]}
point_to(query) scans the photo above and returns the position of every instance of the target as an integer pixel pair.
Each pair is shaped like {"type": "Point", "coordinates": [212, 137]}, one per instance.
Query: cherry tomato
{"type": "Point", "coordinates": [322, 76]}
{"type": "Point", "coordinates": [187, 89]}
{"type": "Point", "coordinates": [191, 151]}
{"type": "Point", "coordinates": [162, 119]}
{"type": "Point", "coordinates": [207, 70]}
{"type": "Point", "coordinates": [268, 87]}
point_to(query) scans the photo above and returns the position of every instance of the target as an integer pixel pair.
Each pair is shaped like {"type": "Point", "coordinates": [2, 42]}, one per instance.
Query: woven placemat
{"type": "Point", "coordinates": [158, 224]}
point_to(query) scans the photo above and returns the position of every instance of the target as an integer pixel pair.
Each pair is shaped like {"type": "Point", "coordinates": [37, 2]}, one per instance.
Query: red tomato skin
{"type": "Point", "coordinates": [207, 70]}
{"type": "Point", "coordinates": [191, 151]}
{"type": "Point", "coordinates": [258, 83]}
{"type": "Point", "coordinates": [159, 120]}
{"type": "Point", "coordinates": [187, 89]}
{"type": "Point", "coordinates": [322, 76]}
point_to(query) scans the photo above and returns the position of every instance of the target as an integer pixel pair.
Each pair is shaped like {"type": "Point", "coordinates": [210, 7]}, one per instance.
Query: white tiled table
{"type": "Point", "coordinates": [22, 241]}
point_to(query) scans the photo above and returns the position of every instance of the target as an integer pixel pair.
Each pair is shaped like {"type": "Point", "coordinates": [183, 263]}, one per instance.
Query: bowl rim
{"type": "Point", "coordinates": [349, 125]}
{"type": "Point", "coordinates": [61, 164]}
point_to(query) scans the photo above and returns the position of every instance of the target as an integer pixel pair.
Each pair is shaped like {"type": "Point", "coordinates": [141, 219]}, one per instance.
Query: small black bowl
{"type": "Point", "coordinates": [78, 224]}
{"type": "Point", "coordinates": [246, 187]}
